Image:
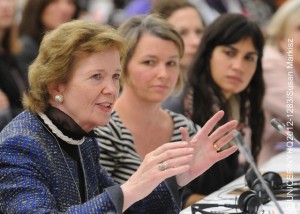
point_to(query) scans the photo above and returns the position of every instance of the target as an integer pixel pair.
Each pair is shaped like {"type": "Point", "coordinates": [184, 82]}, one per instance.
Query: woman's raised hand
{"type": "Point", "coordinates": [186, 159]}
{"type": "Point", "coordinates": [166, 161]}
{"type": "Point", "coordinates": [207, 145]}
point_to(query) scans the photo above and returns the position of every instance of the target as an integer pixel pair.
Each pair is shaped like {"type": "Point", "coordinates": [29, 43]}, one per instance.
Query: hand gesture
{"type": "Point", "coordinates": [166, 161]}
{"type": "Point", "coordinates": [207, 147]}
{"type": "Point", "coordinates": [186, 159]}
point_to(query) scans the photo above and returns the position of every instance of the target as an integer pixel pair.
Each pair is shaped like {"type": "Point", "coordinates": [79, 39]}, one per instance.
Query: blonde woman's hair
{"type": "Point", "coordinates": [59, 51]}
{"type": "Point", "coordinates": [135, 27]}
{"type": "Point", "coordinates": [288, 13]}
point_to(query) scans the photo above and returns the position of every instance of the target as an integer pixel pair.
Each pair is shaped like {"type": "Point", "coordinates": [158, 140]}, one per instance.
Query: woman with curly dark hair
{"type": "Point", "coordinates": [227, 75]}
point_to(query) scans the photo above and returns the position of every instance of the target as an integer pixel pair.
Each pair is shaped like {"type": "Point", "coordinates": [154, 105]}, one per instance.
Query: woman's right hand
{"type": "Point", "coordinates": [150, 174]}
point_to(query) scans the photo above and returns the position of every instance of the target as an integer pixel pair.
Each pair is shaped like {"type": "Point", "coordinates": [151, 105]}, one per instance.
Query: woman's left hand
{"type": "Point", "coordinates": [206, 147]}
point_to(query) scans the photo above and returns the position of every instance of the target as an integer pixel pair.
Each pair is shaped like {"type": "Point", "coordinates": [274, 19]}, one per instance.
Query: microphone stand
{"type": "Point", "coordinates": [279, 126]}
{"type": "Point", "coordinates": [245, 151]}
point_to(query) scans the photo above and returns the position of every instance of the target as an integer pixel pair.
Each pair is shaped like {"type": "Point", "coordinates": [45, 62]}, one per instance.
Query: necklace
{"type": "Point", "coordinates": [58, 133]}
{"type": "Point", "coordinates": [65, 160]}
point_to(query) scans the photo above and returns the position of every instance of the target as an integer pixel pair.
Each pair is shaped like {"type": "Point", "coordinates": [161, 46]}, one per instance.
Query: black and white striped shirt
{"type": "Point", "coordinates": [118, 155]}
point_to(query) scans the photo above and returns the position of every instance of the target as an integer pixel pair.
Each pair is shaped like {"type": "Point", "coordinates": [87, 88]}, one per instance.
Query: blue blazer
{"type": "Point", "coordinates": [34, 177]}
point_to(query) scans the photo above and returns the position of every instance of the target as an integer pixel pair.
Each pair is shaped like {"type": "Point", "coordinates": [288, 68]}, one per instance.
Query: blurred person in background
{"type": "Point", "coordinates": [118, 14]}
{"type": "Point", "coordinates": [138, 7]}
{"type": "Point", "coordinates": [227, 75]}
{"type": "Point", "coordinates": [260, 11]}
{"type": "Point", "coordinates": [281, 66]}
{"type": "Point", "coordinates": [12, 82]}
{"type": "Point", "coordinates": [186, 19]}
{"type": "Point", "coordinates": [40, 16]}
{"type": "Point", "coordinates": [212, 9]}
{"type": "Point", "coordinates": [99, 11]}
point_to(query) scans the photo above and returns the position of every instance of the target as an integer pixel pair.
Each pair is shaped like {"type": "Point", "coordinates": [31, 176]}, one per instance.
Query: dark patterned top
{"type": "Point", "coordinates": [36, 178]}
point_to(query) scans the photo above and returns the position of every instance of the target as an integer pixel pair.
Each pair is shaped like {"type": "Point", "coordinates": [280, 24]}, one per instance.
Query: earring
{"type": "Point", "coordinates": [59, 98]}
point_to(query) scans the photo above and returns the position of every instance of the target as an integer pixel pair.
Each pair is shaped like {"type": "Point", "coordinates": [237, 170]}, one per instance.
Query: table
{"type": "Point", "coordinates": [286, 163]}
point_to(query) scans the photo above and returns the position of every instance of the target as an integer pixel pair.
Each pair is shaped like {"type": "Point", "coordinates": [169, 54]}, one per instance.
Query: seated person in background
{"type": "Point", "coordinates": [186, 19]}
{"type": "Point", "coordinates": [212, 9]}
{"type": "Point", "coordinates": [49, 159]}
{"type": "Point", "coordinates": [227, 75]}
{"type": "Point", "coordinates": [138, 125]}
{"type": "Point", "coordinates": [12, 82]}
{"type": "Point", "coordinates": [138, 7]}
{"type": "Point", "coordinates": [281, 66]}
{"type": "Point", "coordinates": [38, 17]}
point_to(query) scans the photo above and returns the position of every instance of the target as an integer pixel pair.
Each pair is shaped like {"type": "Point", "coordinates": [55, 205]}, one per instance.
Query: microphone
{"type": "Point", "coordinates": [243, 148]}
{"type": "Point", "coordinates": [280, 127]}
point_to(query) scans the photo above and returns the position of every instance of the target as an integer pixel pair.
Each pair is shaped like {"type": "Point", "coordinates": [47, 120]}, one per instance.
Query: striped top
{"type": "Point", "coordinates": [118, 155]}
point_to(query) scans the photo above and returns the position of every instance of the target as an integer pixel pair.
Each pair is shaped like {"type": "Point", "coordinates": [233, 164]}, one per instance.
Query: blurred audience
{"type": "Point", "coordinates": [281, 65]}
{"type": "Point", "coordinates": [99, 11]}
{"type": "Point", "coordinates": [227, 75]}
{"type": "Point", "coordinates": [186, 19]}
{"type": "Point", "coordinates": [40, 16]}
{"type": "Point", "coordinates": [260, 11]}
{"type": "Point", "coordinates": [138, 7]}
{"type": "Point", "coordinates": [12, 82]}
{"type": "Point", "coordinates": [212, 9]}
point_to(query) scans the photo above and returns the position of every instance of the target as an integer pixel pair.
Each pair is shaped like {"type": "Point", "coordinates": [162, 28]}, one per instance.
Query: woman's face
{"type": "Point", "coordinates": [153, 69]}
{"type": "Point", "coordinates": [233, 66]}
{"type": "Point", "coordinates": [7, 13]}
{"type": "Point", "coordinates": [189, 25]}
{"type": "Point", "coordinates": [58, 12]}
{"type": "Point", "coordinates": [92, 90]}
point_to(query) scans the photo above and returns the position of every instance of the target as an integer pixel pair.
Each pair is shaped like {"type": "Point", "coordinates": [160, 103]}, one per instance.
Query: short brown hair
{"type": "Point", "coordinates": [58, 53]}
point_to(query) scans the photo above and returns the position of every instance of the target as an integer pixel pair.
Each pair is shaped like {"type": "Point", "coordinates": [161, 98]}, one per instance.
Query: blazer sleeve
{"type": "Point", "coordinates": [24, 183]}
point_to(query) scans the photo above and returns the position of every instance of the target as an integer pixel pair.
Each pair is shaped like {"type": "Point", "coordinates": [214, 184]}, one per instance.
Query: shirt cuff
{"type": "Point", "coordinates": [117, 197]}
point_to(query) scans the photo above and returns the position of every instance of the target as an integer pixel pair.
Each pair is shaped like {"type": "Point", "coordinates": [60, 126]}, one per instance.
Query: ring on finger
{"type": "Point", "coordinates": [163, 166]}
{"type": "Point", "coordinates": [217, 147]}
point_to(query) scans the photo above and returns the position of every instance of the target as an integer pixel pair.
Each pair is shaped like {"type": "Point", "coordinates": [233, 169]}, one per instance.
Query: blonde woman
{"type": "Point", "coordinates": [281, 70]}
{"type": "Point", "coordinates": [138, 124]}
